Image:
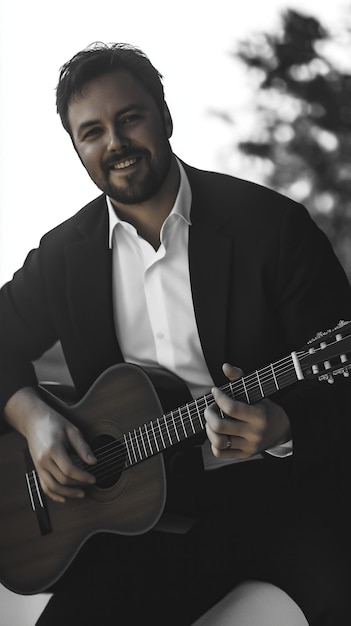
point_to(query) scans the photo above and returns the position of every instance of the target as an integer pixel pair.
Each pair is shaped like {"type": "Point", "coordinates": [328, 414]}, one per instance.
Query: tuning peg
{"type": "Point", "coordinates": [330, 379]}
{"type": "Point", "coordinates": [315, 368]}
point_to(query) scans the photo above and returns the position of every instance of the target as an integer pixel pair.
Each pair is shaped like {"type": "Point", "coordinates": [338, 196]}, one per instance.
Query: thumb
{"type": "Point", "coordinates": [80, 445]}
{"type": "Point", "coordinates": [232, 372]}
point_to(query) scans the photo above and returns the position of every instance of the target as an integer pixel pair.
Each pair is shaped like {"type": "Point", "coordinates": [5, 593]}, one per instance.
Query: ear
{"type": "Point", "coordinates": [167, 121]}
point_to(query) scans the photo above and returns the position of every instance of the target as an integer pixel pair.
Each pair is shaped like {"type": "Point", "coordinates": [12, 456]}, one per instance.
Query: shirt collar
{"type": "Point", "coordinates": [181, 206]}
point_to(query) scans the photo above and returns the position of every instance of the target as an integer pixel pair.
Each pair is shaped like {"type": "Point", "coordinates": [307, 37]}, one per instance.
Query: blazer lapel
{"type": "Point", "coordinates": [89, 279]}
{"type": "Point", "coordinates": [210, 251]}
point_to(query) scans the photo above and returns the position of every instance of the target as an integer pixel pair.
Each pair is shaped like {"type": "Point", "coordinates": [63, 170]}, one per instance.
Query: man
{"type": "Point", "coordinates": [187, 270]}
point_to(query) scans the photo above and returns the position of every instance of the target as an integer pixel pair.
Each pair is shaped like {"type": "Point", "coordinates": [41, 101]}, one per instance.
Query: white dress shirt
{"type": "Point", "coordinates": [153, 307]}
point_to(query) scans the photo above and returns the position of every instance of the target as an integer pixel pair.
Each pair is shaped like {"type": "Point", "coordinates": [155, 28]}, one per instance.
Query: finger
{"type": "Point", "coordinates": [238, 445]}
{"type": "Point", "coordinates": [57, 491]}
{"type": "Point", "coordinates": [230, 407]}
{"type": "Point", "coordinates": [80, 446]}
{"type": "Point", "coordinates": [224, 441]}
{"type": "Point", "coordinates": [232, 372]}
{"type": "Point", "coordinates": [227, 446]}
{"type": "Point", "coordinates": [235, 411]}
{"type": "Point", "coordinates": [234, 418]}
{"type": "Point", "coordinates": [221, 448]}
{"type": "Point", "coordinates": [241, 435]}
{"type": "Point", "coordinates": [64, 470]}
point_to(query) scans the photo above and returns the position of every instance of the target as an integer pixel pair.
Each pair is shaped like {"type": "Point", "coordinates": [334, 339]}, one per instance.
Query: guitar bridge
{"type": "Point", "coordinates": [36, 495]}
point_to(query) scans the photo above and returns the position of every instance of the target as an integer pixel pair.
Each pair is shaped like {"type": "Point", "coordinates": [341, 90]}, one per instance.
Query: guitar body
{"type": "Point", "coordinates": [32, 558]}
{"type": "Point", "coordinates": [121, 418]}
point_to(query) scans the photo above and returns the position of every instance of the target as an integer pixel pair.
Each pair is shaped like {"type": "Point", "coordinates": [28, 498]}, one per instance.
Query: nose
{"type": "Point", "coordinates": [116, 140]}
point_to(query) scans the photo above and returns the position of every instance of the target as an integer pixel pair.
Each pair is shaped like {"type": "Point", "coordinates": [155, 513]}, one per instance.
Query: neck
{"type": "Point", "coordinates": [148, 217]}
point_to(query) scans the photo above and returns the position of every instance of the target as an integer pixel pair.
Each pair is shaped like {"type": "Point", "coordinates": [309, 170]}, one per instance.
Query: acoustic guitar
{"type": "Point", "coordinates": [121, 417]}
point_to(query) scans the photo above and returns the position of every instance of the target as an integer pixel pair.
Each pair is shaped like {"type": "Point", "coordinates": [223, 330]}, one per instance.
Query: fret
{"type": "Point", "coordinates": [274, 377]}
{"type": "Point", "coordinates": [154, 436]}
{"type": "Point", "coordinates": [175, 427]}
{"type": "Point", "coordinates": [142, 441]}
{"type": "Point", "coordinates": [238, 392]}
{"type": "Point", "coordinates": [267, 381]}
{"type": "Point", "coordinates": [161, 435]}
{"type": "Point", "coordinates": [138, 447]}
{"type": "Point", "coordinates": [259, 383]}
{"type": "Point", "coordinates": [148, 439]}
{"type": "Point", "coordinates": [252, 388]}
{"type": "Point", "coordinates": [190, 419]}
{"type": "Point", "coordinates": [182, 423]}
{"type": "Point", "coordinates": [131, 447]}
{"type": "Point", "coordinates": [127, 448]}
{"type": "Point", "coordinates": [167, 429]}
{"type": "Point", "coordinates": [200, 416]}
{"type": "Point", "coordinates": [245, 391]}
{"type": "Point", "coordinates": [154, 439]}
{"type": "Point", "coordinates": [134, 443]}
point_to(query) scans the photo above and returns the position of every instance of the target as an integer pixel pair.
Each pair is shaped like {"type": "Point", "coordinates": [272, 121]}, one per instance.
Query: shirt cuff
{"type": "Point", "coordinates": [282, 450]}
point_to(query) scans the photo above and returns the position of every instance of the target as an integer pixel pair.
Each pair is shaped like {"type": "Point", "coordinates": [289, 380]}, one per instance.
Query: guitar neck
{"type": "Point", "coordinates": [188, 420]}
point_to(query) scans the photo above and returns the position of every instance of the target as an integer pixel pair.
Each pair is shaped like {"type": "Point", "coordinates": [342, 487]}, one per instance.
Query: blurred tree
{"type": "Point", "coordinates": [303, 122]}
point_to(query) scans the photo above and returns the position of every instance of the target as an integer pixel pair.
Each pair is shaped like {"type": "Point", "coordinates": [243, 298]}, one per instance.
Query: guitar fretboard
{"type": "Point", "coordinates": [324, 356]}
{"type": "Point", "coordinates": [188, 420]}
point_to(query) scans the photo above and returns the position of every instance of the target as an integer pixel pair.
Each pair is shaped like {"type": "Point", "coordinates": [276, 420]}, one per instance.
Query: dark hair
{"type": "Point", "coordinates": [99, 59]}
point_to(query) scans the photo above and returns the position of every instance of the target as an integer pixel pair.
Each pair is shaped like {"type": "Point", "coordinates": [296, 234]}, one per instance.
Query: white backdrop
{"type": "Point", "coordinates": [42, 181]}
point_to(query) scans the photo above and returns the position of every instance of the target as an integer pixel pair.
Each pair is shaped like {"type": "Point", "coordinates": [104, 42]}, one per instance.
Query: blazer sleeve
{"type": "Point", "coordinates": [313, 295]}
{"type": "Point", "coordinates": [26, 330]}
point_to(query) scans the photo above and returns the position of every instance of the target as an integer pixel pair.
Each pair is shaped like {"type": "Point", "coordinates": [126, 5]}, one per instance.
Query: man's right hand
{"type": "Point", "coordinates": [52, 439]}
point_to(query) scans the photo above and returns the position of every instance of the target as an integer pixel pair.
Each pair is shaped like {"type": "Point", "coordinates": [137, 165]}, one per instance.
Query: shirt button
{"type": "Point", "coordinates": [159, 336]}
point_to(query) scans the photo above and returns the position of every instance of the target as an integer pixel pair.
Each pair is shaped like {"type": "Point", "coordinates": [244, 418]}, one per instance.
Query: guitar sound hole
{"type": "Point", "coordinates": [110, 454]}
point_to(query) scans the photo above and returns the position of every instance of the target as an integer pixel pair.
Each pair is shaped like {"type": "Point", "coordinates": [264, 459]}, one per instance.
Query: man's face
{"type": "Point", "coordinates": [121, 137]}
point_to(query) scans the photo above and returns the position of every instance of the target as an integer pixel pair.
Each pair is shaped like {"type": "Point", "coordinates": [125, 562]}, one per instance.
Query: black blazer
{"type": "Point", "coordinates": [264, 280]}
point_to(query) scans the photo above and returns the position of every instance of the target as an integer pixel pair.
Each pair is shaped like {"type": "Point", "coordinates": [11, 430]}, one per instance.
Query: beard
{"type": "Point", "coordinates": [136, 188]}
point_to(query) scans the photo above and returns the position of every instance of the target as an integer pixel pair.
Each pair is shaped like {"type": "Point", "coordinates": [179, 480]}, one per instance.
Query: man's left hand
{"type": "Point", "coordinates": [237, 430]}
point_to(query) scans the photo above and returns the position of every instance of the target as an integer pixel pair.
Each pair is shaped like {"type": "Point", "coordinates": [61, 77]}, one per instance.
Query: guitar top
{"type": "Point", "coordinates": [122, 418]}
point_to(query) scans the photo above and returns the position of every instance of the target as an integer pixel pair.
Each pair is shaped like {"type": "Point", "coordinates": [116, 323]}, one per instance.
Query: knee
{"type": "Point", "coordinates": [256, 603]}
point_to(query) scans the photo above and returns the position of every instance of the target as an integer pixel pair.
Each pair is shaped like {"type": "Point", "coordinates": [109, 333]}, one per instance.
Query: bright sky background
{"type": "Point", "coordinates": [189, 41]}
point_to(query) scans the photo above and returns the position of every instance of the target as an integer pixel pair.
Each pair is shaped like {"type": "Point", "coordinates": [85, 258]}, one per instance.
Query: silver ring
{"type": "Point", "coordinates": [229, 442]}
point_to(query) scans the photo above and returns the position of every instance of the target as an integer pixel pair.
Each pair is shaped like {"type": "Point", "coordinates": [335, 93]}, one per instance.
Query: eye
{"type": "Point", "coordinates": [129, 119]}
{"type": "Point", "coordinates": [92, 132]}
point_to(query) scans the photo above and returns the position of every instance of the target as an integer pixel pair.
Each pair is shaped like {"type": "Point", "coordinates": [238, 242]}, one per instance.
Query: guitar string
{"type": "Point", "coordinates": [108, 455]}
{"type": "Point", "coordinates": [188, 411]}
{"type": "Point", "coordinates": [112, 464]}
{"type": "Point", "coordinates": [227, 387]}
{"type": "Point", "coordinates": [138, 438]}
{"type": "Point", "coordinates": [115, 452]}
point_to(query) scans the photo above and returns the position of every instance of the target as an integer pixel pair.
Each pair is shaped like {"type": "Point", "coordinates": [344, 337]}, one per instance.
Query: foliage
{"type": "Point", "coordinates": [303, 121]}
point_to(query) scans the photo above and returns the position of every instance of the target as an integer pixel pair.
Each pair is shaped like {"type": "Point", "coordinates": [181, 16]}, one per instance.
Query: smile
{"type": "Point", "coordinates": [121, 165]}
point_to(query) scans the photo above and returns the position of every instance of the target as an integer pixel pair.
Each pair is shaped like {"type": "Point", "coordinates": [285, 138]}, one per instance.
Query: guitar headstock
{"type": "Point", "coordinates": [328, 354]}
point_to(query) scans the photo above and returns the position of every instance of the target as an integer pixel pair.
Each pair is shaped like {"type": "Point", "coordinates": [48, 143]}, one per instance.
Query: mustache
{"type": "Point", "coordinates": [129, 153]}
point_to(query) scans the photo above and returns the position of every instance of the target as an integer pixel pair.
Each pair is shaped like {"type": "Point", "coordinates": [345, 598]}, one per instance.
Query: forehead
{"type": "Point", "coordinates": [107, 95]}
